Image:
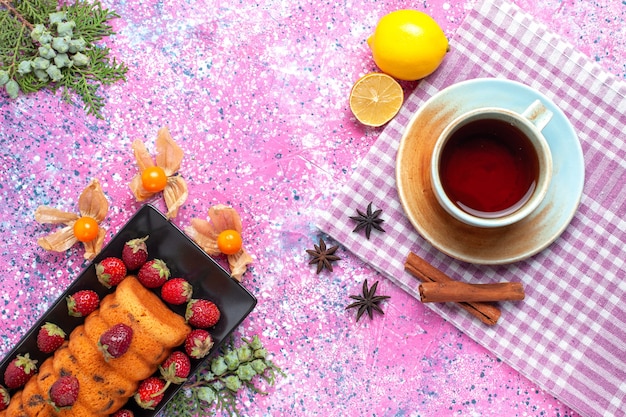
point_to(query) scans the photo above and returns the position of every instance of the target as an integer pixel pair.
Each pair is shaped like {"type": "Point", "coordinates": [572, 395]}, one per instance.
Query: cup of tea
{"type": "Point", "coordinates": [491, 167]}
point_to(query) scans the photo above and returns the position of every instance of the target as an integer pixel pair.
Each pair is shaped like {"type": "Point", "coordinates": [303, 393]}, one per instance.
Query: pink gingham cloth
{"type": "Point", "coordinates": [569, 334]}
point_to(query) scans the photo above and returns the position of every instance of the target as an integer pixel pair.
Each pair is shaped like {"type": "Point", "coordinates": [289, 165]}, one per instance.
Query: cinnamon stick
{"type": "Point", "coordinates": [425, 272]}
{"type": "Point", "coordinates": [443, 292]}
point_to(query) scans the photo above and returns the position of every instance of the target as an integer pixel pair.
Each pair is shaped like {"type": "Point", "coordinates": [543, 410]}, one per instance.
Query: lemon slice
{"type": "Point", "coordinates": [375, 99]}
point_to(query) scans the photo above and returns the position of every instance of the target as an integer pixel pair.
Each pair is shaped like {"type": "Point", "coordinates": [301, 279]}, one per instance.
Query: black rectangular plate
{"type": "Point", "coordinates": [184, 259]}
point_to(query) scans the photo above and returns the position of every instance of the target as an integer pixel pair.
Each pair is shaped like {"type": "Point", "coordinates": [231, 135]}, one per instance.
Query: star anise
{"type": "Point", "coordinates": [368, 302]}
{"type": "Point", "coordinates": [368, 220]}
{"type": "Point", "coordinates": [323, 256]}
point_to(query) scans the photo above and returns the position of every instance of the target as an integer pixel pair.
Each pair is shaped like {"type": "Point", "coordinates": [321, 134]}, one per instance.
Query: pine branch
{"type": "Point", "coordinates": [26, 67]}
{"type": "Point", "coordinates": [16, 14]}
{"type": "Point", "coordinates": [217, 385]}
{"type": "Point", "coordinates": [30, 12]}
{"type": "Point", "coordinates": [91, 20]}
{"type": "Point", "coordinates": [81, 83]}
{"type": "Point", "coordinates": [14, 42]}
{"type": "Point", "coordinates": [84, 81]}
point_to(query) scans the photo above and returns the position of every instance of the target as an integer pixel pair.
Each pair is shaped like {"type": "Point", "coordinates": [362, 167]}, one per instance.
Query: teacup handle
{"type": "Point", "coordinates": [538, 114]}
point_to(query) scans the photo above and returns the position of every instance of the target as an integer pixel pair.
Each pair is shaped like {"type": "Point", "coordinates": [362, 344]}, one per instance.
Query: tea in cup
{"type": "Point", "coordinates": [491, 167]}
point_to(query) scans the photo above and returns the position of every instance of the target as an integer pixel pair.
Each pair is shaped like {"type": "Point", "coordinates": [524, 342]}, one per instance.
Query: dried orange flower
{"type": "Point", "coordinates": [153, 178]}
{"type": "Point", "coordinates": [206, 232]}
{"type": "Point", "coordinates": [83, 226]}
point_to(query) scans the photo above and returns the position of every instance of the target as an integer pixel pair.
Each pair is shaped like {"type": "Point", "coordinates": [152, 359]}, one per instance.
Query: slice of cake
{"type": "Point", "coordinates": [129, 364]}
{"type": "Point", "coordinates": [151, 313]}
{"type": "Point", "coordinates": [32, 398]}
{"type": "Point", "coordinates": [77, 410]}
{"type": "Point", "coordinates": [91, 362]}
{"type": "Point", "coordinates": [92, 392]}
{"type": "Point", "coordinates": [45, 378]}
{"type": "Point", "coordinates": [144, 344]}
{"type": "Point", "coordinates": [16, 408]}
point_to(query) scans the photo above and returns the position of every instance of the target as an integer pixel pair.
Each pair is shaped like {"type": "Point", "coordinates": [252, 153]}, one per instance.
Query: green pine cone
{"type": "Point", "coordinates": [255, 343]}
{"type": "Point", "coordinates": [13, 89]}
{"type": "Point", "coordinates": [233, 383]}
{"type": "Point", "coordinates": [207, 394]}
{"type": "Point", "coordinates": [244, 353]}
{"type": "Point", "coordinates": [232, 360]}
{"type": "Point", "coordinates": [218, 366]}
{"type": "Point", "coordinates": [260, 353]}
{"type": "Point", "coordinates": [258, 365]}
{"type": "Point", "coordinates": [246, 372]}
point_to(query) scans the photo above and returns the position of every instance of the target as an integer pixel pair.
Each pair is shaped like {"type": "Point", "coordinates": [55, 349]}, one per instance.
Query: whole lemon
{"type": "Point", "coordinates": [408, 44]}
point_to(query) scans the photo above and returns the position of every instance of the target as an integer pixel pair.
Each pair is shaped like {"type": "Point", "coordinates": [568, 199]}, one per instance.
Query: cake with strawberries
{"type": "Point", "coordinates": [108, 369]}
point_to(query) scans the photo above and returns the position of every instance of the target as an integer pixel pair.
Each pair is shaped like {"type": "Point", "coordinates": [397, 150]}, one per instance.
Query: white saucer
{"type": "Point", "coordinates": [476, 245]}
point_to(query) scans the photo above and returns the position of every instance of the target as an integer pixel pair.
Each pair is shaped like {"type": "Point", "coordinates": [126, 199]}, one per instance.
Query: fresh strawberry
{"type": "Point", "coordinates": [110, 271]}
{"type": "Point", "coordinates": [198, 343]}
{"type": "Point", "coordinates": [64, 392]}
{"type": "Point", "coordinates": [115, 341]}
{"type": "Point", "coordinates": [50, 337]}
{"type": "Point", "coordinates": [153, 273]}
{"type": "Point", "coordinates": [176, 367]}
{"type": "Point", "coordinates": [202, 313]}
{"type": "Point", "coordinates": [82, 303]}
{"type": "Point", "coordinates": [135, 253]}
{"type": "Point", "coordinates": [123, 413]}
{"type": "Point", "coordinates": [5, 398]}
{"type": "Point", "coordinates": [150, 392]}
{"type": "Point", "coordinates": [176, 291]}
{"type": "Point", "coordinates": [19, 371]}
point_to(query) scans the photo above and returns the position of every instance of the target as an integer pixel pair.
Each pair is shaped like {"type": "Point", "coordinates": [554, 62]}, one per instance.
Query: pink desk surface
{"type": "Point", "coordinates": [256, 95]}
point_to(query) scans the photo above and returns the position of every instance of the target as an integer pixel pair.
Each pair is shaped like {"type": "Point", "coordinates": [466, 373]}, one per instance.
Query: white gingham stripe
{"type": "Point", "coordinates": [569, 335]}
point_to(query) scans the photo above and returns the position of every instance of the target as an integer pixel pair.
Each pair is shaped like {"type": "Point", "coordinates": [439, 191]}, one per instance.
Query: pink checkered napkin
{"type": "Point", "coordinates": [569, 335]}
